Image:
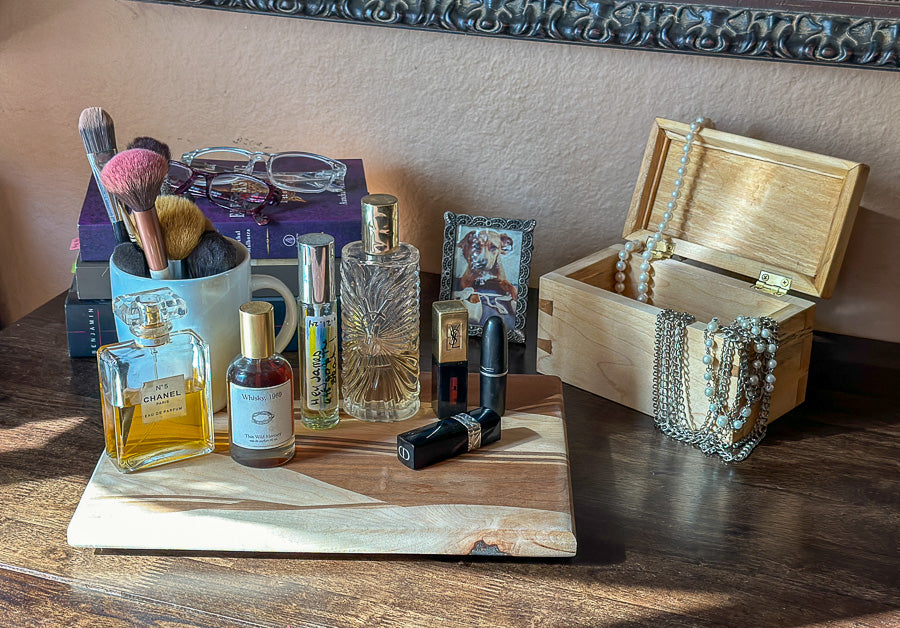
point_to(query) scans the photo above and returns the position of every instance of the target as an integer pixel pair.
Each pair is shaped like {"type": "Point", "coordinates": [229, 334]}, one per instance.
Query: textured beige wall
{"type": "Point", "coordinates": [446, 122]}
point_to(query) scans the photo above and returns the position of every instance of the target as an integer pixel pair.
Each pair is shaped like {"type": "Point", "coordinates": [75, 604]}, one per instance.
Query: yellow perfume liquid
{"type": "Point", "coordinates": [136, 443]}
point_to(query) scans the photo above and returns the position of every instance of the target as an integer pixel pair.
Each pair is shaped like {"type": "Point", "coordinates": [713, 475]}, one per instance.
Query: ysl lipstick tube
{"type": "Point", "coordinates": [449, 358]}
{"type": "Point", "coordinates": [451, 437]}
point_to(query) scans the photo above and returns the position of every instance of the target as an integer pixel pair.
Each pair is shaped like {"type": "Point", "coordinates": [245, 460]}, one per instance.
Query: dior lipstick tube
{"type": "Point", "coordinates": [449, 358]}
{"type": "Point", "coordinates": [451, 437]}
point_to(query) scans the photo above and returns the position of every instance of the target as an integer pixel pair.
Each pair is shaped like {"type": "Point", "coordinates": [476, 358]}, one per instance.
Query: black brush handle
{"type": "Point", "coordinates": [120, 232]}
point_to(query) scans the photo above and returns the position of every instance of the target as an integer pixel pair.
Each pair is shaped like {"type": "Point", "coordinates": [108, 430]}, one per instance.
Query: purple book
{"type": "Point", "coordinates": [335, 214]}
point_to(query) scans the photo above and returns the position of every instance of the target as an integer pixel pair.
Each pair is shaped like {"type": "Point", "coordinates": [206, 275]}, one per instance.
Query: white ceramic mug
{"type": "Point", "coordinates": [212, 310]}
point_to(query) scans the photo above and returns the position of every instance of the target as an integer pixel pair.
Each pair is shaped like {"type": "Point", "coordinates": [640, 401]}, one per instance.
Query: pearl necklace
{"type": "Point", "coordinates": [753, 341]}
{"type": "Point", "coordinates": [643, 287]}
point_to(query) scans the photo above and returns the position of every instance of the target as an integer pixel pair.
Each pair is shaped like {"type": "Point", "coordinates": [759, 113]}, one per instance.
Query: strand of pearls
{"type": "Point", "coordinates": [643, 287]}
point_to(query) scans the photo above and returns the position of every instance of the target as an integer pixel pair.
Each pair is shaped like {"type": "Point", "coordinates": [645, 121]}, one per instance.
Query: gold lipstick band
{"type": "Point", "coordinates": [473, 427]}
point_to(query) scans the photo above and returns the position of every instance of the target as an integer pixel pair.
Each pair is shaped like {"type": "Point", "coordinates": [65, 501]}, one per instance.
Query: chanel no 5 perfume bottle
{"type": "Point", "coordinates": [155, 389]}
{"type": "Point", "coordinates": [260, 393]}
{"type": "Point", "coordinates": [317, 330]}
{"type": "Point", "coordinates": [380, 318]}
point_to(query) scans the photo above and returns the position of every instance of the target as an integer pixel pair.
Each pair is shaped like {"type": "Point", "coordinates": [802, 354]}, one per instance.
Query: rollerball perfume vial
{"type": "Point", "coordinates": [446, 439]}
{"type": "Point", "coordinates": [317, 327]}
{"type": "Point", "coordinates": [449, 358]}
{"type": "Point", "coordinates": [494, 365]}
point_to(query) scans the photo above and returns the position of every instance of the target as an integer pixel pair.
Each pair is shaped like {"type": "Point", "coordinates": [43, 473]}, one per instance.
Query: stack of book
{"type": "Point", "coordinates": [273, 251]}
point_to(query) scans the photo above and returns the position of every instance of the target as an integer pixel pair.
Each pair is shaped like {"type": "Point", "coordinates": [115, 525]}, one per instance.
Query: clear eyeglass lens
{"type": "Point", "coordinates": [301, 173]}
{"type": "Point", "coordinates": [220, 161]}
{"type": "Point", "coordinates": [237, 191]}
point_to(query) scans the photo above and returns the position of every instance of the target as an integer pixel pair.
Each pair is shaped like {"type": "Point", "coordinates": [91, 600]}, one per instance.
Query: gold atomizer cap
{"type": "Point", "coordinates": [380, 233]}
{"type": "Point", "coordinates": [257, 329]}
{"type": "Point", "coordinates": [450, 331]}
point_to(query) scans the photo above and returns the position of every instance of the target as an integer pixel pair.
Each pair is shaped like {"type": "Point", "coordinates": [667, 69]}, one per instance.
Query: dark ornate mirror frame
{"type": "Point", "coordinates": [864, 33]}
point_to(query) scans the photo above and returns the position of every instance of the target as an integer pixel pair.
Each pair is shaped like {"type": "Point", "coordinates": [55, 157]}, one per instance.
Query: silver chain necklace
{"type": "Point", "coordinates": [751, 341]}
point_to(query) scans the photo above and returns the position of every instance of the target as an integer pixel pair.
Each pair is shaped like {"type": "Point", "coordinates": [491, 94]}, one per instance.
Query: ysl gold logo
{"type": "Point", "coordinates": [453, 338]}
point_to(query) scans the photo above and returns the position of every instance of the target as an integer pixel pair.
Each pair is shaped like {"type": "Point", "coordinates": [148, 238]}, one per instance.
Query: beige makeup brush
{"type": "Point", "coordinates": [182, 224]}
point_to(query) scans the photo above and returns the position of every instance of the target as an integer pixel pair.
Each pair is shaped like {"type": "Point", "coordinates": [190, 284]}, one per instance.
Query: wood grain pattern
{"type": "Point", "coordinates": [346, 492]}
{"type": "Point", "coordinates": [749, 205]}
{"type": "Point", "coordinates": [804, 532]}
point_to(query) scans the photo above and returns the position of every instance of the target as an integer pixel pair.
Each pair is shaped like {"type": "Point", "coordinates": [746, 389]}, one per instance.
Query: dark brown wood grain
{"type": "Point", "coordinates": [805, 531]}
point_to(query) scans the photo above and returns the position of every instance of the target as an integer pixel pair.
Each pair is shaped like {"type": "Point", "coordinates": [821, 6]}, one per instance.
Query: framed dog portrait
{"type": "Point", "coordinates": [485, 264]}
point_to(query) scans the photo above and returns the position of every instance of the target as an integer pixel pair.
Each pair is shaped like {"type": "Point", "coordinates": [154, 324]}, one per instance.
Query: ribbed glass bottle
{"type": "Point", "coordinates": [380, 318]}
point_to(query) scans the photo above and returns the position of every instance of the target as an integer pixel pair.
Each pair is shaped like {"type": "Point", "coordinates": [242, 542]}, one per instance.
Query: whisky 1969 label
{"type": "Point", "coordinates": [261, 418]}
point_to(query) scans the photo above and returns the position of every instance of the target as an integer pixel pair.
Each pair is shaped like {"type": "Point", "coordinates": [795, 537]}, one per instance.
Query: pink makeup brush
{"type": "Point", "coordinates": [134, 177]}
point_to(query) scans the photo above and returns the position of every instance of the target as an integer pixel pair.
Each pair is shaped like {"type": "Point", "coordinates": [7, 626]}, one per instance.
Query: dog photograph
{"type": "Point", "coordinates": [486, 262]}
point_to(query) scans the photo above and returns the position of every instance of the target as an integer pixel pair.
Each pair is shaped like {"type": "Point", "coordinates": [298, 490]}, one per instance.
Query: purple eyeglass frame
{"type": "Point", "coordinates": [272, 198]}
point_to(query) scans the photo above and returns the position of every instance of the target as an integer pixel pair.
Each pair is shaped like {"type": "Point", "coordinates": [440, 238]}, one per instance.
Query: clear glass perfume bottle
{"type": "Point", "coordinates": [260, 393]}
{"type": "Point", "coordinates": [380, 318]}
{"type": "Point", "coordinates": [317, 330]}
{"type": "Point", "coordinates": [156, 389]}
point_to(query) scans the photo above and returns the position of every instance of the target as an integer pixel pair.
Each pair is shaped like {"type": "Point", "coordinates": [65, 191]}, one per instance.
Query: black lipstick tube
{"type": "Point", "coordinates": [451, 437]}
{"type": "Point", "coordinates": [494, 365]}
{"type": "Point", "coordinates": [449, 358]}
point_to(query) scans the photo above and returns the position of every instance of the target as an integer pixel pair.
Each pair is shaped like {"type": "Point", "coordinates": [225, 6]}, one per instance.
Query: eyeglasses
{"type": "Point", "coordinates": [230, 190]}
{"type": "Point", "coordinates": [298, 172]}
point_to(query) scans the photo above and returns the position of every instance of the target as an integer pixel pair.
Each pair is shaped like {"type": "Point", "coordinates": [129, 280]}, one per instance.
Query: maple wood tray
{"type": "Point", "coordinates": [346, 492]}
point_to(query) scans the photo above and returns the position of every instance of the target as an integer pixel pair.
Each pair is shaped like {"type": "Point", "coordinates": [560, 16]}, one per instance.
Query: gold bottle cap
{"type": "Point", "coordinates": [315, 253]}
{"type": "Point", "coordinates": [450, 331]}
{"type": "Point", "coordinates": [257, 329]}
{"type": "Point", "coordinates": [380, 234]}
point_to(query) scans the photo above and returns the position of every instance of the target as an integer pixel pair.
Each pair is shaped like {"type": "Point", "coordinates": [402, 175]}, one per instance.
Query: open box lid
{"type": "Point", "coordinates": [750, 207]}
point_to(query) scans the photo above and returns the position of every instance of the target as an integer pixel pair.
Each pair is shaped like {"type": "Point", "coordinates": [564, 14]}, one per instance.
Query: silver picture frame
{"type": "Point", "coordinates": [486, 263]}
{"type": "Point", "coordinates": [842, 33]}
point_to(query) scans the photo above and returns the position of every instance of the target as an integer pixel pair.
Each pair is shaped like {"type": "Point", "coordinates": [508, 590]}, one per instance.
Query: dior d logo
{"type": "Point", "coordinates": [403, 453]}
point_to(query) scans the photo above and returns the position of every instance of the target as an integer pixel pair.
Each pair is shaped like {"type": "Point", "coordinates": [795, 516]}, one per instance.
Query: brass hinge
{"type": "Point", "coordinates": [772, 283]}
{"type": "Point", "coordinates": [662, 250]}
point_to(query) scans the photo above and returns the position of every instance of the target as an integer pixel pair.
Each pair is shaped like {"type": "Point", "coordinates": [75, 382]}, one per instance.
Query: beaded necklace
{"type": "Point", "coordinates": [751, 341]}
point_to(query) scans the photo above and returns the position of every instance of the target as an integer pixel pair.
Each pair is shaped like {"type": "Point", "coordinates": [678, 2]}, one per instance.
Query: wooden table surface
{"type": "Point", "coordinates": [804, 532]}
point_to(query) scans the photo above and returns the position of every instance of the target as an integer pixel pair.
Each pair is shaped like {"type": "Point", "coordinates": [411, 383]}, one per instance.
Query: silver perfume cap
{"type": "Point", "coordinates": [315, 255]}
{"type": "Point", "coordinates": [380, 233]}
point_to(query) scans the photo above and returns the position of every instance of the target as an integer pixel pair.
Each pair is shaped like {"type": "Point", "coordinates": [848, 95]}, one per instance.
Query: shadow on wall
{"type": "Point", "coordinates": [866, 268]}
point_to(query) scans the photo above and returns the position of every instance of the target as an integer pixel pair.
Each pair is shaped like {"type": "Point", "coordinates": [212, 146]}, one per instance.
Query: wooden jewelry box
{"type": "Point", "coordinates": [775, 214]}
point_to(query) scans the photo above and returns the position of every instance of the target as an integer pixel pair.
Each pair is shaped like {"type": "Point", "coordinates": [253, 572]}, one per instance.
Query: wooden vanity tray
{"type": "Point", "coordinates": [346, 492]}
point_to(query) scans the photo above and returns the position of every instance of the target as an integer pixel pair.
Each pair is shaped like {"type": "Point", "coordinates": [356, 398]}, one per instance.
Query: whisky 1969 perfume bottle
{"type": "Point", "coordinates": [155, 389]}
{"type": "Point", "coordinates": [380, 318]}
{"type": "Point", "coordinates": [317, 329]}
{"type": "Point", "coordinates": [260, 393]}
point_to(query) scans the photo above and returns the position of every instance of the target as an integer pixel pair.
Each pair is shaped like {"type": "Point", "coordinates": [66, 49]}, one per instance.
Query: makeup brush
{"type": "Point", "coordinates": [156, 146]}
{"type": "Point", "coordinates": [99, 136]}
{"type": "Point", "coordinates": [182, 223]}
{"type": "Point", "coordinates": [214, 254]}
{"type": "Point", "coordinates": [129, 257]}
{"type": "Point", "coordinates": [151, 144]}
{"type": "Point", "coordinates": [134, 177]}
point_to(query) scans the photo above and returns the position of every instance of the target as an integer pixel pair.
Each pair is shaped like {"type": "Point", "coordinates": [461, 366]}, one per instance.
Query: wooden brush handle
{"type": "Point", "coordinates": [151, 234]}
